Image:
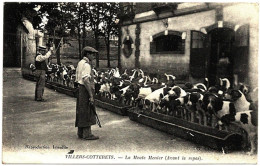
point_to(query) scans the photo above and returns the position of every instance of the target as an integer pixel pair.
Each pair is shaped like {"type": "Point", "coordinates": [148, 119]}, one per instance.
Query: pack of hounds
{"type": "Point", "coordinates": [216, 106]}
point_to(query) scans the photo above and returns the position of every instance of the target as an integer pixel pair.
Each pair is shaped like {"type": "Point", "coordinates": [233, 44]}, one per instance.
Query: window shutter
{"type": "Point", "coordinates": [152, 47]}
{"type": "Point", "coordinates": [197, 55]}
{"type": "Point", "coordinates": [241, 52]}
{"type": "Point", "coordinates": [183, 46]}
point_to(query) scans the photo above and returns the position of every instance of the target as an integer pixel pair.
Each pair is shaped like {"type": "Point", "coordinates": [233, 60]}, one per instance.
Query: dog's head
{"type": "Point", "coordinates": [235, 94]}
{"type": "Point", "coordinates": [213, 89]}
{"type": "Point", "coordinates": [244, 89]}
{"type": "Point", "coordinates": [175, 91]}
{"type": "Point", "coordinates": [212, 103]}
{"type": "Point", "coordinates": [188, 85]}
{"type": "Point", "coordinates": [194, 98]}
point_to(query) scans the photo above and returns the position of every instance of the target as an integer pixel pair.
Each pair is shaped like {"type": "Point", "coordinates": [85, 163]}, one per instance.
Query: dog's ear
{"type": "Point", "coordinates": [235, 94]}
{"type": "Point", "coordinates": [232, 109]}
{"type": "Point", "coordinates": [177, 91]}
{"type": "Point", "coordinates": [206, 97]}
{"type": "Point", "coordinates": [219, 103]}
{"type": "Point", "coordinates": [165, 90]}
{"type": "Point", "coordinates": [176, 103]}
{"type": "Point", "coordinates": [161, 95]}
{"type": "Point", "coordinates": [186, 98]}
{"type": "Point", "coordinates": [195, 97]}
{"type": "Point", "coordinates": [188, 85]}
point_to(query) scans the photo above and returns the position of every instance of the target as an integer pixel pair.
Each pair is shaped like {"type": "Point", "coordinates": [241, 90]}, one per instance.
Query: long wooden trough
{"type": "Point", "coordinates": [62, 89]}
{"type": "Point", "coordinates": [205, 135]}
{"type": "Point", "coordinates": [102, 102]}
{"type": "Point", "coordinates": [111, 105]}
{"type": "Point", "coordinates": [209, 136]}
{"type": "Point", "coordinates": [56, 86]}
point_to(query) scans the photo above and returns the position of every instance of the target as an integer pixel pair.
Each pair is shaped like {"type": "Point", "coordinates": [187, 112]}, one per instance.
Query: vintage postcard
{"type": "Point", "coordinates": [130, 82]}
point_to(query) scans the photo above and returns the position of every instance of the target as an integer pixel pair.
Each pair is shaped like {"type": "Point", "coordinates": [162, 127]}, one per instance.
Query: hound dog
{"type": "Point", "coordinates": [228, 112]}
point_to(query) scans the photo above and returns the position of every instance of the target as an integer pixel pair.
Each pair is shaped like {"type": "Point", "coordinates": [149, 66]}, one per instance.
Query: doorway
{"type": "Point", "coordinates": [220, 60]}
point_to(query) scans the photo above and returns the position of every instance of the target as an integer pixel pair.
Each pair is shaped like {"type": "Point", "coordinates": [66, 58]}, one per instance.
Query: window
{"type": "Point", "coordinates": [168, 44]}
{"type": "Point", "coordinates": [197, 40]}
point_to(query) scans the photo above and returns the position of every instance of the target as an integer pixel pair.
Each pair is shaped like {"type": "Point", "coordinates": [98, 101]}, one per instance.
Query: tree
{"type": "Point", "coordinates": [76, 22]}
{"type": "Point", "coordinates": [59, 18]}
{"type": "Point", "coordinates": [14, 12]}
{"type": "Point", "coordinates": [95, 15]}
{"type": "Point", "coordinates": [109, 26]}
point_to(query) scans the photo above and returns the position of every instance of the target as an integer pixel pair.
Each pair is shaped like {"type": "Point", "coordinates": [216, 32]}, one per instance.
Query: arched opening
{"type": "Point", "coordinates": [172, 43]}
{"type": "Point", "coordinates": [220, 60]}
{"type": "Point", "coordinates": [168, 43]}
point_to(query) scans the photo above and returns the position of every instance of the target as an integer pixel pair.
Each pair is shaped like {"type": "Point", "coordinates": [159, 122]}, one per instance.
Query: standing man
{"type": "Point", "coordinates": [41, 68]}
{"type": "Point", "coordinates": [85, 116]}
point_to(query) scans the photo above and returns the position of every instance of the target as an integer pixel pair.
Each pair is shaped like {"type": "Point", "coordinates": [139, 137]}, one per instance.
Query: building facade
{"type": "Point", "coordinates": [27, 39]}
{"type": "Point", "coordinates": [191, 40]}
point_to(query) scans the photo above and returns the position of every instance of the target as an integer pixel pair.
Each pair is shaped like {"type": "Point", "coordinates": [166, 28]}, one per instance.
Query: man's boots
{"type": "Point", "coordinates": [87, 135]}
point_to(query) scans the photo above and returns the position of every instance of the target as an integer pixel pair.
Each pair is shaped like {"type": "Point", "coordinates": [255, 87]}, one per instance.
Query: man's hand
{"type": "Point", "coordinates": [91, 100]}
{"type": "Point", "coordinates": [51, 50]}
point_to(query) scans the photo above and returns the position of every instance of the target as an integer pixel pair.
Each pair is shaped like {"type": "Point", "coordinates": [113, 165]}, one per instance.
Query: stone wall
{"type": "Point", "coordinates": [177, 64]}
{"type": "Point", "coordinates": [130, 61]}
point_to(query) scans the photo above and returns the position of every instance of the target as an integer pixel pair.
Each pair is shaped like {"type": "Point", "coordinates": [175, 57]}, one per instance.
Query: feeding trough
{"type": "Point", "coordinates": [62, 89]}
{"type": "Point", "coordinates": [102, 102]}
{"type": "Point", "coordinates": [111, 105]}
{"type": "Point", "coordinates": [205, 135]}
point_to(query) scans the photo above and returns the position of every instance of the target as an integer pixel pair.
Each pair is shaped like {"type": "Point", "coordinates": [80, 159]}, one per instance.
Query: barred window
{"type": "Point", "coordinates": [168, 44]}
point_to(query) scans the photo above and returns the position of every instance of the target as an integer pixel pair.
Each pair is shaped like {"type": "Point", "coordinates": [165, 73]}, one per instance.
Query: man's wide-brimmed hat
{"type": "Point", "coordinates": [41, 47]}
{"type": "Point", "coordinates": [89, 49]}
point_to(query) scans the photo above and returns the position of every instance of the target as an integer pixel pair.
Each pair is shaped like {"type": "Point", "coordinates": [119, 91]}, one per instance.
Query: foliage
{"type": "Point", "coordinates": [14, 12]}
{"type": "Point", "coordinates": [66, 19]}
{"type": "Point", "coordinates": [109, 25]}
{"type": "Point", "coordinates": [59, 18]}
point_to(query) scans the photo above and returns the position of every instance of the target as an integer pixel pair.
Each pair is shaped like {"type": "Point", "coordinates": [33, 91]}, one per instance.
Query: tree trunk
{"type": "Point", "coordinates": [57, 46]}
{"type": "Point", "coordinates": [108, 52]}
{"type": "Point", "coordinates": [119, 47]}
{"type": "Point", "coordinates": [79, 41]}
{"type": "Point", "coordinates": [97, 48]}
{"type": "Point", "coordinates": [79, 36]}
{"type": "Point", "coordinates": [84, 31]}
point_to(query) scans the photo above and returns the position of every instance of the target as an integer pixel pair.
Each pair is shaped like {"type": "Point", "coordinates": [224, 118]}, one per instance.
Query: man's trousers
{"type": "Point", "coordinates": [40, 84]}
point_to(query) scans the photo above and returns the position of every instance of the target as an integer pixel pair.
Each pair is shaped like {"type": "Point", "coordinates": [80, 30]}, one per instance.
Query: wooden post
{"type": "Point", "coordinates": [182, 113]}
{"type": "Point", "coordinates": [205, 119]}
{"type": "Point", "coordinates": [192, 116]}
{"type": "Point", "coordinates": [185, 114]}
{"type": "Point", "coordinates": [200, 117]}
{"type": "Point", "coordinates": [213, 121]}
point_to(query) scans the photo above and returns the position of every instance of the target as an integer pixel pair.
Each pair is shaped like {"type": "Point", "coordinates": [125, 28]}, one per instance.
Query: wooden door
{"type": "Point", "coordinates": [198, 54]}
{"type": "Point", "coordinates": [240, 54]}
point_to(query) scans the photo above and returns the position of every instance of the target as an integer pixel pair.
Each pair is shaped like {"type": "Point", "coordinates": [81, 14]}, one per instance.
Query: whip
{"type": "Point", "coordinates": [56, 49]}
